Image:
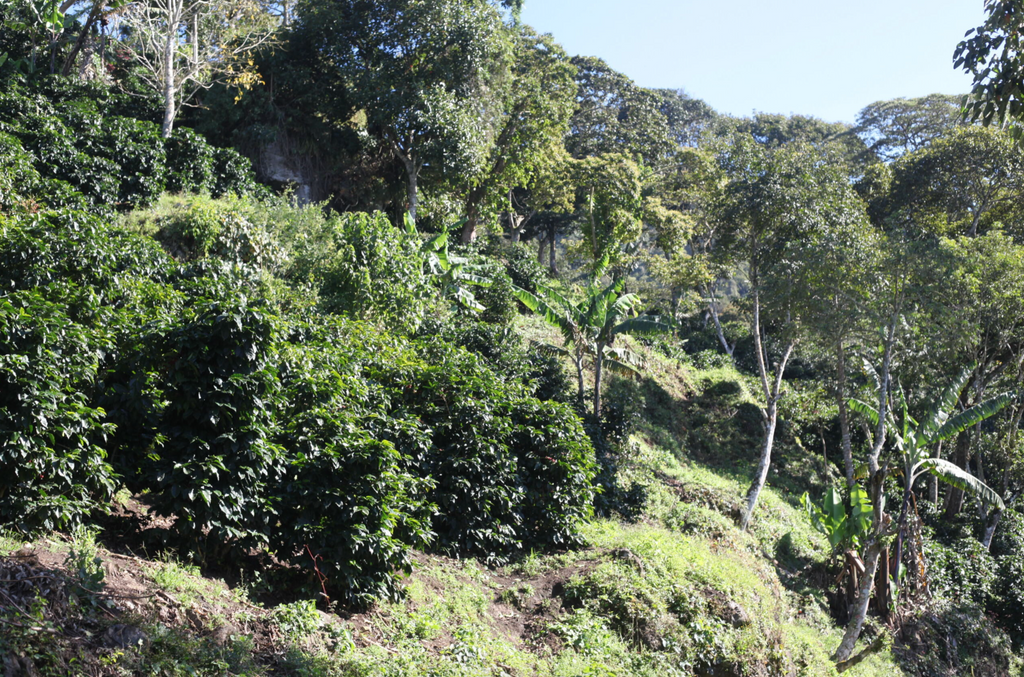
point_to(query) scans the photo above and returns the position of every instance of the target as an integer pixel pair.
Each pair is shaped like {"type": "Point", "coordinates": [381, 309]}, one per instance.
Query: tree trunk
{"type": "Point", "coordinates": [754, 493]}
{"type": "Point", "coordinates": [412, 190]}
{"type": "Point", "coordinates": [540, 250]}
{"type": "Point", "coordinates": [772, 395]}
{"type": "Point", "coordinates": [713, 311]}
{"type": "Point", "coordinates": [876, 491]}
{"type": "Point", "coordinates": [169, 91]}
{"type": "Point", "coordinates": [69, 62]}
{"type": "Point", "coordinates": [955, 496]}
{"type": "Point", "coordinates": [844, 414]}
{"type": "Point", "coordinates": [859, 612]}
{"type": "Point", "coordinates": [552, 266]}
{"type": "Point", "coordinates": [598, 365]}
{"type": "Point", "coordinates": [579, 379]}
{"type": "Point", "coordinates": [469, 228]}
{"type": "Point", "coordinates": [933, 481]}
{"type": "Point", "coordinates": [992, 521]}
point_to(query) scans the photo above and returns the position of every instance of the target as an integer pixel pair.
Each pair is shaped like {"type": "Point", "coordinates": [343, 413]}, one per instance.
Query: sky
{"type": "Point", "coordinates": [823, 58]}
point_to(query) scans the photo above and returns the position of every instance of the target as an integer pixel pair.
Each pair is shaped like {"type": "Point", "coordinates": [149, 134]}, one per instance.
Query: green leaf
{"type": "Point", "coordinates": [864, 409]}
{"type": "Point", "coordinates": [951, 474]}
{"type": "Point", "coordinates": [975, 414]}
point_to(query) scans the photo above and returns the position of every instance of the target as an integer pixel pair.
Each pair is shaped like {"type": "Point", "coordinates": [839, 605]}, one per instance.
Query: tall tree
{"type": "Point", "coordinates": [427, 76]}
{"type": "Point", "coordinates": [536, 103]}
{"type": "Point", "coordinates": [778, 202]}
{"type": "Point", "coordinates": [614, 115]}
{"type": "Point", "coordinates": [183, 46]}
{"type": "Point", "coordinates": [896, 127]}
{"type": "Point", "coordinates": [687, 118]}
{"type": "Point", "coordinates": [963, 183]}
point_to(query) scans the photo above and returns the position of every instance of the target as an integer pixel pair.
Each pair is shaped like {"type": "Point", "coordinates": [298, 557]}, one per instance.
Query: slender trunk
{"type": "Point", "coordinates": [413, 188]}
{"type": "Point", "coordinates": [754, 493]}
{"type": "Point", "coordinates": [772, 393]}
{"type": "Point", "coordinates": [168, 74]}
{"type": "Point", "coordinates": [844, 414]}
{"type": "Point", "coordinates": [955, 496]}
{"type": "Point", "coordinates": [598, 365]}
{"type": "Point", "coordinates": [713, 311]}
{"type": "Point", "coordinates": [552, 266]}
{"type": "Point", "coordinates": [69, 62]}
{"type": "Point", "coordinates": [540, 250]}
{"type": "Point", "coordinates": [593, 227]}
{"type": "Point", "coordinates": [578, 359]}
{"type": "Point", "coordinates": [933, 480]}
{"type": "Point", "coordinates": [991, 522]}
{"type": "Point", "coordinates": [876, 541]}
{"type": "Point", "coordinates": [860, 606]}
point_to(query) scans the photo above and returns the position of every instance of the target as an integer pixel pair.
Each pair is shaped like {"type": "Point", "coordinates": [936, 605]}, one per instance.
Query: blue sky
{"type": "Point", "coordinates": [823, 58]}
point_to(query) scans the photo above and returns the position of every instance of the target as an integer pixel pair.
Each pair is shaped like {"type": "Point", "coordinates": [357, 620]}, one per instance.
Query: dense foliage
{"type": "Point", "coordinates": [336, 384]}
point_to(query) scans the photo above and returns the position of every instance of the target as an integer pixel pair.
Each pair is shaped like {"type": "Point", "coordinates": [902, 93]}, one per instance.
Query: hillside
{"type": "Point", "coordinates": [385, 337]}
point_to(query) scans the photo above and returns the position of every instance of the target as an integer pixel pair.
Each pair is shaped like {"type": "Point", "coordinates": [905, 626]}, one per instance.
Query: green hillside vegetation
{"type": "Point", "coordinates": [386, 338]}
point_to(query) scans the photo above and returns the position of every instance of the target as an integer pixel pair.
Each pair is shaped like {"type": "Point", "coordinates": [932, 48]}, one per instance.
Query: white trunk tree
{"type": "Point", "coordinates": [184, 46]}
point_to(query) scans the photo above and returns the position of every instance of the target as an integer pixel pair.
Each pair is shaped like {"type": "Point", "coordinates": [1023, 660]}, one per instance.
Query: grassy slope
{"type": "Point", "coordinates": [679, 592]}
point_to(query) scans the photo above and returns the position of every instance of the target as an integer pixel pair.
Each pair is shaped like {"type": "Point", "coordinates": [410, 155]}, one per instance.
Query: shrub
{"type": "Point", "coordinates": [348, 505]}
{"type": "Point", "coordinates": [232, 173]}
{"type": "Point", "coordinates": [52, 467]}
{"type": "Point", "coordinates": [367, 269]}
{"type": "Point", "coordinates": [961, 572]}
{"type": "Point", "coordinates": [215, 457]}
{"type": "Point", "coordinates": [190, 162]}
{"type": "Point", "coordinates": [139, 149]}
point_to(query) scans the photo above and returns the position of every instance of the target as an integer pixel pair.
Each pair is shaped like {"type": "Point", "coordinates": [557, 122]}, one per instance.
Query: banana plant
{"type": "Point", "coordinates": [913, 439]}
{"type": "Point", "coordinates": [832, 518]}
{"type": "Point", "coordinates": [454, 274]}
{"type": "Point", "coordinates": [590, 326]}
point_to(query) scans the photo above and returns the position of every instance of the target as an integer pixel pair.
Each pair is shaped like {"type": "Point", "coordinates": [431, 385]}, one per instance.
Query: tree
{"type": "Point", "coordinates": [980, 322]}
{"type": "Point", "coordinates": [773, 130]}
{"type": "Point", "coordinates": [896, 127]}
{"type": "Point", "coordinates": [911, 441]}
{"type": "Point", "coordinates": [614, 115]}
{"type": "Point", "coordinates": [993, 57]}
{"type": "Point", "coordinates": [183, 46]}
{"type": "Point", "coordinates": [427, 76]}
{"type": "Point", "coordinates": [687, 118]}
{"type": "Point", "coordinates": [962, 183]}
{"type": "Point", "coordinates": [536, 104]}
{"type": "Point", "coordinates": [609, 207]}
{"type": "Point", "coordinates": [590, 326]}
{"type": "Point", "coordinates": [778, 202]}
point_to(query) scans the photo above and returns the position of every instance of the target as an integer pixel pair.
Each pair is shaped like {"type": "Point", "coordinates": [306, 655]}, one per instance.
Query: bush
{"type": "Point", "coordinates": [348, 494]}
{"type": "Point", "coordinates": [367, 269]}
{"type": "Point", "coordinates": [962, 572]}
{"type": "Point", "coordinates": [232, 173]}
{"type": "Point", "coordinates": [190, 162]}
{"type": "Point", "coordinates": [52, 467]}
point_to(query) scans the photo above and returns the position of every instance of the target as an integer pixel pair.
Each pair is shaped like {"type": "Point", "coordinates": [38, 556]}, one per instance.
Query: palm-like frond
{"type": "Point", "coordinates": [950, 473]}
{"type": "Point", "coordinates": [550, 348]}
{"type": "Point", "coordinates": [975, 414]}
{"type": "Point", "coordinates": [940, 413]}
{"type": "Point", "coordinates": [551, 314]}
{"type": "Point", "coordinates": [864, 409]}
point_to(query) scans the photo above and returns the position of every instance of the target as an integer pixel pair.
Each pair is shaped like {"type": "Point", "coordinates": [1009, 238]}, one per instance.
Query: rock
{"type": "Point", "coordinates": [122, 636]}
{"type": "Point", "coordinates": [224, 633]}
{"type": "Point", "coordinates": [19, 666]}
{"type": "Point", "coordinates": [737, 615]}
